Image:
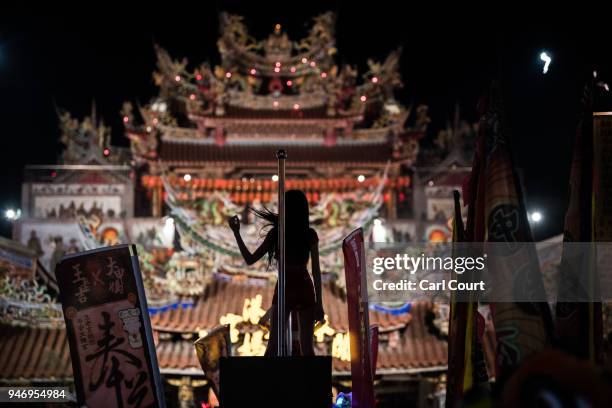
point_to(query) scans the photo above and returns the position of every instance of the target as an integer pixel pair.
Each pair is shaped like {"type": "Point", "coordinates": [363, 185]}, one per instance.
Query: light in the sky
{"type": "Point", "coordinates": [547, 59]}
{"type": "Point", "coordinates": [12, 214]}
{"type": "Point", "coordinates": [536, 217]}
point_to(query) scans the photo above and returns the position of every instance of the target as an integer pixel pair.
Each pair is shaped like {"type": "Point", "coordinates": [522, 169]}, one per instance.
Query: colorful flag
{"type": "Point", "coordinates": [602, 222]}
{"type": "Point", "coordinates": [109, 330]}
{"type": "Point", "coordinates": [359, 327]}
{"type": "Point", "coordinates": [524, 328]}
{"type": "Point", "coordinates": [575, 321]}
{"type": "Point", "coordinates": [374, 347]}
{"type": "Point", "coordinates": [459, 323]}
{"type": "Point", "coordinates": [465, 357]}
{"type": "Point", "coordinates": [210, 348]}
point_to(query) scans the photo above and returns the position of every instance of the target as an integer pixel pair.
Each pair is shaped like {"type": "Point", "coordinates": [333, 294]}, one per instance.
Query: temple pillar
{"type": "Point", "coordinates": [219, 135]}
{"type": "Point", "coordinates": [392, 204]}
{"type": "Point", "coordinates": [157, 201]}
{"type": "Point", "coordinates": [348, 130]}
{"type": "Point", "coordinates": [330, 136]}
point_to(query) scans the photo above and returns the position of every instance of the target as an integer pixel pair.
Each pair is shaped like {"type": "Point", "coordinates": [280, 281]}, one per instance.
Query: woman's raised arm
{"type": "Point", "coordinates": [249, 258]}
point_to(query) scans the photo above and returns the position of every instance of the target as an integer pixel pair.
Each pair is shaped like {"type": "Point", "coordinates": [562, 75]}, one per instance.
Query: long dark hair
{"type": "Point", "coordinates": [297, 226]}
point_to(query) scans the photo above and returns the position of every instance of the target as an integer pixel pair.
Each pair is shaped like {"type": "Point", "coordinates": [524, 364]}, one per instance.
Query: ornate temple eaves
{"type": "Point", "coordinates": [198, 154]}
{"type": "Point", "coordinates": [238, 48]}
{"type": "Point", "coordinates": [277, 76]}
{"type": "Point", "coordinates": [293, 131]}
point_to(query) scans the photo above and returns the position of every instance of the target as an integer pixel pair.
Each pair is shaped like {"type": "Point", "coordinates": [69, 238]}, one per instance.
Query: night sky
{"type": "Point", "coordinates": [70, 57]}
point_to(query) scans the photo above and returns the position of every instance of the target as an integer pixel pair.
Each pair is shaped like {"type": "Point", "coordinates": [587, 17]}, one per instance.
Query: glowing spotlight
{"type": "Point", "coordinates": [12, 214]}
{"type": "Point", "coordinates": [536, 217]}
{"type": "Point", "coordinates": [547, 59]}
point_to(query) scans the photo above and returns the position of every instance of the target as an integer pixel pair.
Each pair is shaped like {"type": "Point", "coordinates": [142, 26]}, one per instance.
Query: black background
{"type": "Point", "coordinates": [68, 56]}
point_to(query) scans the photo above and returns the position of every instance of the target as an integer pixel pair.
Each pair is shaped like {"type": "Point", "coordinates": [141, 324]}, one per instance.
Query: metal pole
{"type": "Point", "coordinates": [281, 155]}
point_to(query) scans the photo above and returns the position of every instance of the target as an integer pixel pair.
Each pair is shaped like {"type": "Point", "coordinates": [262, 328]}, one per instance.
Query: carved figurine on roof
{"type": "Point", "coordinates": [143, 138]}
{"type": "Point", "coordinates": [240, 52]}
{"type": "Point", "coordinates": [87, 141]}
{"type": "Point", "coordinates": [456, 140]}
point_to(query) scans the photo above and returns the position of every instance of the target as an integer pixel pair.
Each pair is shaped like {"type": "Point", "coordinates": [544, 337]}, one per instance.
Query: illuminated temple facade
{"type": "Point", "coordinates": [203, 150]}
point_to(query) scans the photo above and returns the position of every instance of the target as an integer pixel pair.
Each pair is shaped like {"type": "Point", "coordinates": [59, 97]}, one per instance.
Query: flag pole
{"type": "Point", "coordinates": [282, 334]}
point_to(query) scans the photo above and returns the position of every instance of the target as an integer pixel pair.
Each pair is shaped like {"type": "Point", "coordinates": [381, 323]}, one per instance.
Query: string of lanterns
{"type": "Point", "coordinates": [270, 185]}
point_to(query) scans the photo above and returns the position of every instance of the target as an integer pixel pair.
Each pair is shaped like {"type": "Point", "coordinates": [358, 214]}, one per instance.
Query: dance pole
{"type": "Point", "coordinates": [282, 335]}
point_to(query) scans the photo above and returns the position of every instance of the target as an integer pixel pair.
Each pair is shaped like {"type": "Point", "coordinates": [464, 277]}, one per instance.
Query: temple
{"type": "Point", "coordinates": [204, 149]}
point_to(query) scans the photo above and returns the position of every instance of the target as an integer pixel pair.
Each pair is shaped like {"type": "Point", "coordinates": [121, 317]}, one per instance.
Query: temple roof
{"type": "Point", "coordinates": [222, 297]}
{"type": "Point", "coordinates": [191, 153]}
{"type": "Point", "coordinates": [28, 353]}
{"type": "Point", "coordinates": [416, 350]}
{"type": "Point", "coordinates": [273, 88]}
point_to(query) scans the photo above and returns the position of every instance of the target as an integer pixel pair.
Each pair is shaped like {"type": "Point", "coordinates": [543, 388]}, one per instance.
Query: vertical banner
{"type": "Point", "coordinates": [109, 330]}
{"type": "Point", "coordinates": [577, 323]}
{"type": "Point", "coordinates": [374, 347]}
{"type": "Point", "coordinates": [602, 223]}
{"type": "Point", "coordinates": [602, 176]}
{"type": "Point", "coordinates": [522, 328]}
{"type": "Point", "coordinates": [359, 327]}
